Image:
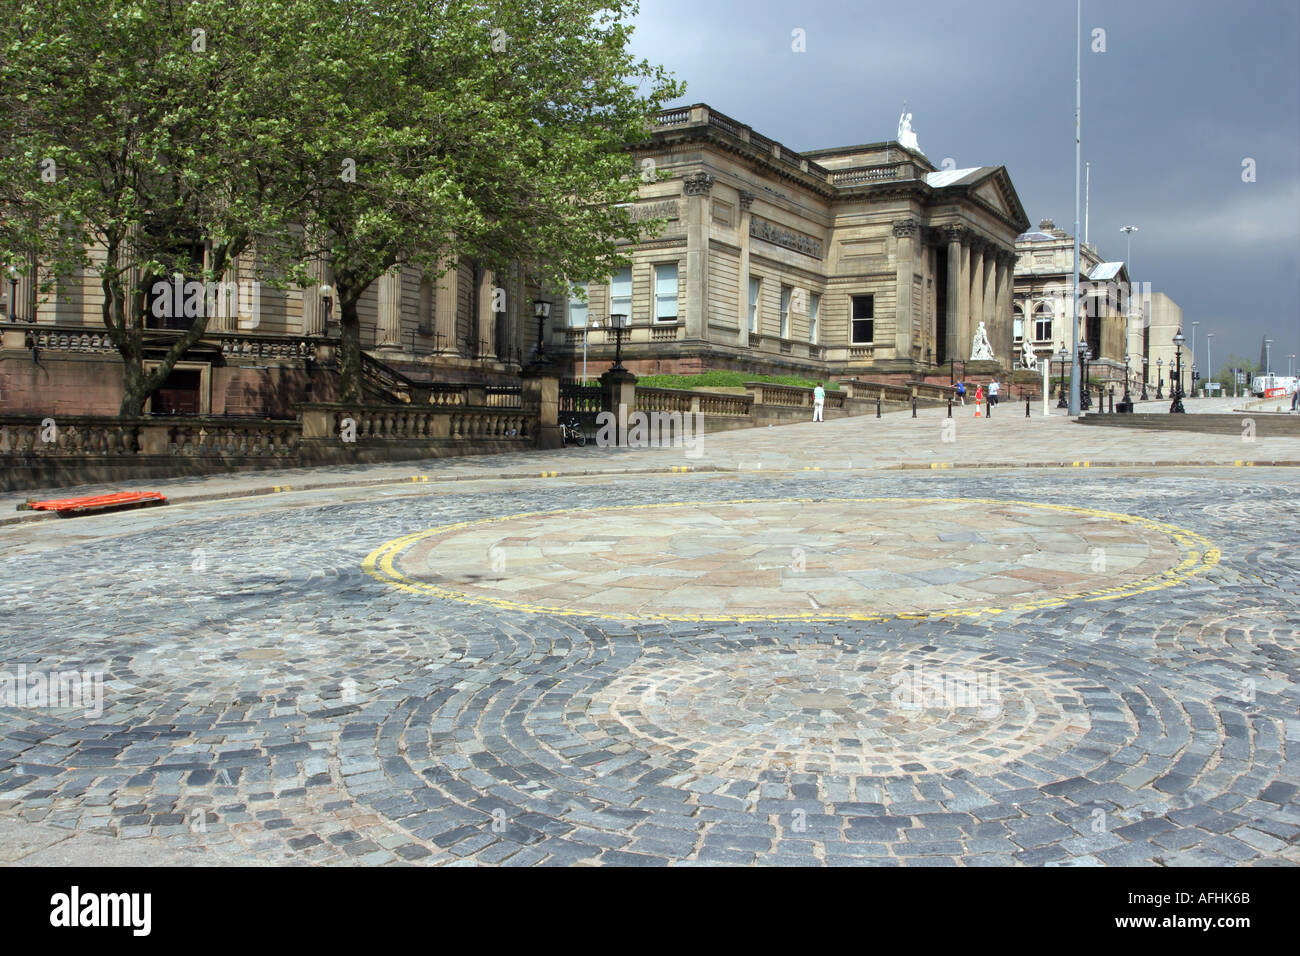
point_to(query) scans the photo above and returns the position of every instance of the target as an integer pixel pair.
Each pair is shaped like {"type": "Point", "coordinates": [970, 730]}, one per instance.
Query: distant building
{"type": "Point", "coordinates": [1043, 299]}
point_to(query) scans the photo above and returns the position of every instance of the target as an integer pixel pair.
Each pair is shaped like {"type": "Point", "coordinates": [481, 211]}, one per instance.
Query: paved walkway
{"type": "Point", "coordinates": [863, 664]}
{"type": "Point", "coordinates": [894, 441]}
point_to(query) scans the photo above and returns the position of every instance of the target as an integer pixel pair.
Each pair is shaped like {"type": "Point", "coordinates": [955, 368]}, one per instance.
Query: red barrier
{"type": "Point", "coordinates": [71, 506]}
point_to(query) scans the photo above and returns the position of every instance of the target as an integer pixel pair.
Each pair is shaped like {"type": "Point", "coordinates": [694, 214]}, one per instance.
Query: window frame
{"type": "Point", "coordinates": [655, 294]}
{"type": "Point", "coordinates": [854, 319]}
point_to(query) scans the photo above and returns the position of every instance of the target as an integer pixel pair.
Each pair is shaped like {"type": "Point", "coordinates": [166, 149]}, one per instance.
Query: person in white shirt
{"type": "Point", "coordinates": [993, 391]}
{"type": "Point", "coordinates": [819, 402]}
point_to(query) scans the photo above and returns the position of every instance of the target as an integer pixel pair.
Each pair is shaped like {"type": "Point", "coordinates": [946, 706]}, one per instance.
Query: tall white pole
{"type": "Point", "coordinates": [1078, 155]}
{"type": "Point", "coordinates": [1087, 197]}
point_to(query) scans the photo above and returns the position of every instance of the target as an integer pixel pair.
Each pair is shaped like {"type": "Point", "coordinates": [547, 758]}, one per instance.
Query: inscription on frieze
{"type": "Point", "coordinates": [798, 241]}
{"type": "Point", "coordinates": [667, 209]}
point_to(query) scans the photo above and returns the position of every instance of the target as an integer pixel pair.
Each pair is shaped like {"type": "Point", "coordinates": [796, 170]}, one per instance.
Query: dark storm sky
{"type": "Point", "coordinates": [1185, 91]}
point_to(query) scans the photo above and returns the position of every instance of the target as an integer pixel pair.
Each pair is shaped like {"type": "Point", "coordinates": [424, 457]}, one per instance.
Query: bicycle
{"type": "Point", "coordinates": [572, 432]}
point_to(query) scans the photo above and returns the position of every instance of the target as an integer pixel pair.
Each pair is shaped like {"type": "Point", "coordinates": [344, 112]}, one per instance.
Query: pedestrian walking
{"type": "Point", "coordinates": [994, 387]}
{"type": "Point", "coordinates": [961, 392]}
{"type": "Point", "coordinates": [819, 403]}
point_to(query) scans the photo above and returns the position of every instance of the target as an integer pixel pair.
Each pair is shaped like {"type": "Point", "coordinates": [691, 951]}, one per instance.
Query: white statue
{"type": "Point", "coordinates": [1029, 360]}
{"type": "Point", "coordinates": [907, 135]}
{"type": "Point", "coordinates": [980, 348]}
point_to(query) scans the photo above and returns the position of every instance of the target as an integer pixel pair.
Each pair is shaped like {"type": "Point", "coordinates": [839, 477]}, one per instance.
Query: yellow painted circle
{"type": "Point", "coordinates": [1197, 555]}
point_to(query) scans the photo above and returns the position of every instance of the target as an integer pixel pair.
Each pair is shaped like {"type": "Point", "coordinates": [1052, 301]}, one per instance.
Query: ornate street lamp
{"type": "Point", "coordinates": [619, 323]}
{"type": "Point", "coordinates": [327, 300]}
{"type": "Point", "coordinates": [1064, 356]}
{"type": "Point", "coordinates": [1143, 396]}
{"type": "Point", "coordinates": [1177, 384]}
{"type": "Point", "coordinates": [1128, 401]}
{"type": "Point", "coordinates": [13, 294]}
{"type": "Point", "coordinates": [1085, 354]}
{"type": "Point", "coordinates": [1160, 379]}
{"type": "Point", "coordinates": [541, 310]}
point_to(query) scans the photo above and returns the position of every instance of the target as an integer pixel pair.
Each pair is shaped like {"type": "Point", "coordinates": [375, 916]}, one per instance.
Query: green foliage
{"type": "Point", "coordinates": [724, 379]}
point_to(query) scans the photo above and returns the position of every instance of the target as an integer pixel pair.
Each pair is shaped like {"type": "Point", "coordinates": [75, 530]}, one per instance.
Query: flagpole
{"type": "Point", "coordinates": [1078, 153]}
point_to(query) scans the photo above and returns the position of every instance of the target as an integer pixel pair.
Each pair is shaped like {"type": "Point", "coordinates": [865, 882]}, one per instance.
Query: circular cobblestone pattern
{"type": "Point", "coordinates": [857, 559]}
{"type": "Point", "coordinates": [822, 710]}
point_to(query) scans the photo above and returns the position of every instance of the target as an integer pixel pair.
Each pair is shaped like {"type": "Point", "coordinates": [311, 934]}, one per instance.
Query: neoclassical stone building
{"type": "Point", "coordinates": [1043, 300]}
{"type": "Point", "coordinates": [854, 261]}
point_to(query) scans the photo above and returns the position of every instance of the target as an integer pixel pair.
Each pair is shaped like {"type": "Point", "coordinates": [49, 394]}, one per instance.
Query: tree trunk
{"type": "Point", "coordinates": [350, 392]}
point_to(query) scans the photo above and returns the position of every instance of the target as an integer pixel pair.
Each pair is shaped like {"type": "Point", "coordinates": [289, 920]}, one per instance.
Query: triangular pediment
{"type": "Point", "coordinates": [990, 193]}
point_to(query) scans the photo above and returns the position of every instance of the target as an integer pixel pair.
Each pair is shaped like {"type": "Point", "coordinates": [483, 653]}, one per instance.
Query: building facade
{"type": "Point", "coordinates": [856, 261]}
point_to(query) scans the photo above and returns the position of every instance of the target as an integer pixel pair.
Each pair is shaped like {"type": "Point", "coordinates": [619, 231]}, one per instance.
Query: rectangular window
{"type": "Point", "coordinates": [666, 293]}
{"type": "Point", "coordinates": [864, 320]}
{"type": "Point", "coordinates": [1018, 327]}
{"type": "Point", "coordinates": [1043, 329]}
{"type": "Point", "coordinates": [755, 287]}
{"type": "Point", "coordinates": [620, 293]}
{"type": "Point", "coordinates": [786, 292]}
{"type": "Point", "coordinates": [578, 307]}
{"type": "Point", "coordinates": [814, 313]}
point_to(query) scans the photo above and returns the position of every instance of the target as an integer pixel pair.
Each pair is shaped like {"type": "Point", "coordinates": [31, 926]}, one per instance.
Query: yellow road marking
{"type": "Point", "coordinates": [1199, 555]}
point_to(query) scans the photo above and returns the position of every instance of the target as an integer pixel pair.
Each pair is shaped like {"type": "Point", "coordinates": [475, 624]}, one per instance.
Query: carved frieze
{"type": "Point", "coordinates": [665, 209]}
{"type": "Point", "coordinates": [761, 228]}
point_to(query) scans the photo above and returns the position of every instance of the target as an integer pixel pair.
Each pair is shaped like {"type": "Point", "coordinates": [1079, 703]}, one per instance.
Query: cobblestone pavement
{"type": "Point", "coordinates": [1059, 667]}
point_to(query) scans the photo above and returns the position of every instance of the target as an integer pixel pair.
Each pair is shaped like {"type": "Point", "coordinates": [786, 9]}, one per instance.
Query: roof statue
{"type": "Point", "coordinates": [980, 348]}
{"type": "Point", "coordinates": [907, 135]}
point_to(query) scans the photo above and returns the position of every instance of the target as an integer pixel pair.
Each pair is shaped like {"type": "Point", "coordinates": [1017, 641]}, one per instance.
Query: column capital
{"type": "Point", "coordinates": [746, 200]}
{"type": "Point", "coordinates": [905, 228]}
{"type": "Point", "coordinates": [954, 233]}
{"type": "Point", "coordinates": [699, 185]}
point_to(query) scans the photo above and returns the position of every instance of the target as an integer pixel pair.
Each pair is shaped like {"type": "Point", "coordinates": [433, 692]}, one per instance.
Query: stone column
{"type": "Point", "coordinates": [956, 294]}
{"type": "Point", "coordinates": [225, 303]}
{"type": "Point", "coordinates": [313, 305]}
{"type": "Point", "coordinates": [742, 313]}
{"type": "Point", "coordinates": [1002, 307]}
{"type": "Point", "coordinates": [904, 267]}
{"type": "Point", "coordinates": [485, 316]}
{"type": "Point", "coordinates": [388, 334]}
{"type": "Point", "coordinates": [698, 215]}
{"type": "Point", "coordinates": [446, 301]}
{"type": "Point", "coordinates": [25, 301]}
{"type": "Point", "coordinates": [976, 310]}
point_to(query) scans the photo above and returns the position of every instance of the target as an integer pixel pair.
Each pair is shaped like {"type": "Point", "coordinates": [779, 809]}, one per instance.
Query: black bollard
{"type": "Point", "coordinates": [1026, 406]}
{"type": "Point", "coordinates": [913, 406]}
{"type": "Point", "coordinates": [950, 408]}
{"type": "Point", "coordinates": [877, 406]}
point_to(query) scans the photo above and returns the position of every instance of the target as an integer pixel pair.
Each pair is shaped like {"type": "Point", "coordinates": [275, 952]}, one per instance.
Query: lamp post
{"type": "Point", "coordinates": [1085, 353]}
{"type": "Point", "coordinates": [1290, 366]}
{"type": "Point", "coordinates": [1160, 379]}
{"type": "Point", "coordinates": [327, 299]}
{"type": "Point", "coordinates": [541, 309]}
{"type": "Point", "coordinates": [1268, 356]}
{"type": "Point", "coordinates": [1128, 400]}
{"type": "Point", "coordinates": [1063, 355]}
{"type": "Point", "coordinates": [13, 294]}
{"type": "Point", "coordinates": [1176, 386]}
{"type": "Point", "coordinates": [1143, 396]}
{"type": "Point", "coordinates": [618, 322]}
{"type": "Point", "coordinates": [1192, 357]}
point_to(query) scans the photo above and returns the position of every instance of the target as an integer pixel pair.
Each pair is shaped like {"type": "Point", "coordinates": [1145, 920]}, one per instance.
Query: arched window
{"type": "Point", "coordinates": [1043, 322]}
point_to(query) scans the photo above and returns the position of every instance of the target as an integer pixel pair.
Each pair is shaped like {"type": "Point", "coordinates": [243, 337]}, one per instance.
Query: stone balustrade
{"type": "Point", "coordinates": [93, 437]}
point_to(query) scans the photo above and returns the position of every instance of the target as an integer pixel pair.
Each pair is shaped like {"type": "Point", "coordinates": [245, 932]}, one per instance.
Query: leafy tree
{"type": "Point", "coordinates": [496, 131]}
{"type": "Point", "coordinates": [127, 126]}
